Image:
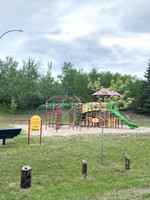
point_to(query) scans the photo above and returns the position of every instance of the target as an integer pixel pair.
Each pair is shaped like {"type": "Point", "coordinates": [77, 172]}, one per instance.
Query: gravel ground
{"type": "Point", "coordinates": [65, 131]}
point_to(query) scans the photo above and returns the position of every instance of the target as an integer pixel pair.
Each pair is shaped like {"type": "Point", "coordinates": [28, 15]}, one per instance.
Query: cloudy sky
{"type": "Point", "coordinates": [111, 35]}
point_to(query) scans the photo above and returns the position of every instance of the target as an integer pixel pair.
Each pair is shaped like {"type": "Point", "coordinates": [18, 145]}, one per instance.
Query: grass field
{"type": "Point", "coordinates": [57, 164]}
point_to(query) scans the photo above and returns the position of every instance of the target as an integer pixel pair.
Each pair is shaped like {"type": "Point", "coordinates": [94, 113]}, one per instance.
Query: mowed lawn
{"type": "Point", "coordinates": [57, 167]}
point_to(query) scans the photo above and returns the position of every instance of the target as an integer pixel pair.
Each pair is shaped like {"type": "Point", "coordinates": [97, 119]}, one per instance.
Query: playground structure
{"type": "Point", "coordinates": [80, 113]}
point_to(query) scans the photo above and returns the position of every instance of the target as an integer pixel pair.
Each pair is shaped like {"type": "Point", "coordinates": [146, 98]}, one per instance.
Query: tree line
{"type": "Point", "coordinates": [28, 88]}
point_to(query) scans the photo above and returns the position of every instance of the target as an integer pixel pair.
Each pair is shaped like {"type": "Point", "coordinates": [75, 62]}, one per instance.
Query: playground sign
{"type": "Point", "coordinates": [35, 124]}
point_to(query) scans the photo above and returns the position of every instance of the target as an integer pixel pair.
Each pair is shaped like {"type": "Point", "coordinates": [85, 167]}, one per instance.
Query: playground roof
{"type": "Point", "coordinates": [106, 92]}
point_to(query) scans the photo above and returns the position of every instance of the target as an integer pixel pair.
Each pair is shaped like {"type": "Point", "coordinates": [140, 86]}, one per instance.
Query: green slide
{"type": "Point", "coordinates": [132, 125]}
{"type": "Point", "coordinates": [112, 105]}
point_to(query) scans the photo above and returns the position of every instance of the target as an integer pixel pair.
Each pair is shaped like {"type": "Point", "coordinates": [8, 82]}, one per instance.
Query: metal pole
{"type": "Point", "coordinates": [9, 32]}
{"type": "Point", "coordinates": [102, 143]}
{"type": "Point", "coordinates": [29, 132]}
{"type": "Point", "coordinates": [41, 133]}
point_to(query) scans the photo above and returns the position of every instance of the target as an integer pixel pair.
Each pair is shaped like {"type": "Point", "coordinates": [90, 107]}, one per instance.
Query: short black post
{"type": "Point", "coordinates": [25, 177]}
{"type": "Point", "coordinates": [4, 140]}
{"type": "Point", "coordinates": [84, 168]}
{"type": "Point", "coordinates": [127, 163]}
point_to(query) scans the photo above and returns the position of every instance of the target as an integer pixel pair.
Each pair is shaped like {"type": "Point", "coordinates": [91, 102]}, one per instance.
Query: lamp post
{"type": "Point", "coordinates": [9, 32]}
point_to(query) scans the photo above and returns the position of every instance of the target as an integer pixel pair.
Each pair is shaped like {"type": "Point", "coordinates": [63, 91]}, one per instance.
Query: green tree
{"type": "Point", "coordinates": [73, 82]}
{"type": "Point", "coordinates": [68, 79]}
{"type": "Point", "coordinates": [13, 105]}
{"type": "Point", "coordinates": [30, 80]}
{"type": "Point", "coordinates": [80, 89]}
{"type": "Point", "coordinates": [106, 78]}
{"type": "Point", "coordinates": [135, 92]}
{"type": "Point", "coordinates": [117, 85]}
{"type": "Point", "coordinates": [98, 80]}
{"type": "Point", "coordinates": [146, 91]}
{"type": "Point", "coordinates": [8, 80]}
{"type": "Point", "coordinates": [48, 86]}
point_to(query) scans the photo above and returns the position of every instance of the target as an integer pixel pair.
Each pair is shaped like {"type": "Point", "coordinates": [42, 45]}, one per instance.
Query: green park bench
{"type": "Point", "coordinates": [9, 133]}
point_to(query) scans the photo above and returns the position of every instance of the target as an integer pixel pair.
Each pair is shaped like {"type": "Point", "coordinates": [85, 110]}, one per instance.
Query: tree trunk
{"type": "Point", "coordinates": [84, 168]}
{"type": "Point", "coordinates": [127, 163]}
{"type": "Point", "coordinates": [26, 177]}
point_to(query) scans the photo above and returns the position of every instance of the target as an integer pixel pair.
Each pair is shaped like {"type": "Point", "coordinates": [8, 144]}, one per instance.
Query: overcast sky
{"type": "Point", "coordinates": [111, 35]}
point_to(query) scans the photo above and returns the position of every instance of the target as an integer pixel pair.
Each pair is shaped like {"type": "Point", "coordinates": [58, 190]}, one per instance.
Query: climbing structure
{"type": "Point", "coordinates": [80, 113]}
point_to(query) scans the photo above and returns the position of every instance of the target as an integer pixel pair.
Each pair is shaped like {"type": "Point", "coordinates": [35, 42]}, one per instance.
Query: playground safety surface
{"type": "Point", "coordinates": [66, 131]}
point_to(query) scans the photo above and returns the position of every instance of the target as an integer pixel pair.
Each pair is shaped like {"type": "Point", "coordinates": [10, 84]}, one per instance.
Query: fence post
{"type": "Point", "coordinates": [25, 177]}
